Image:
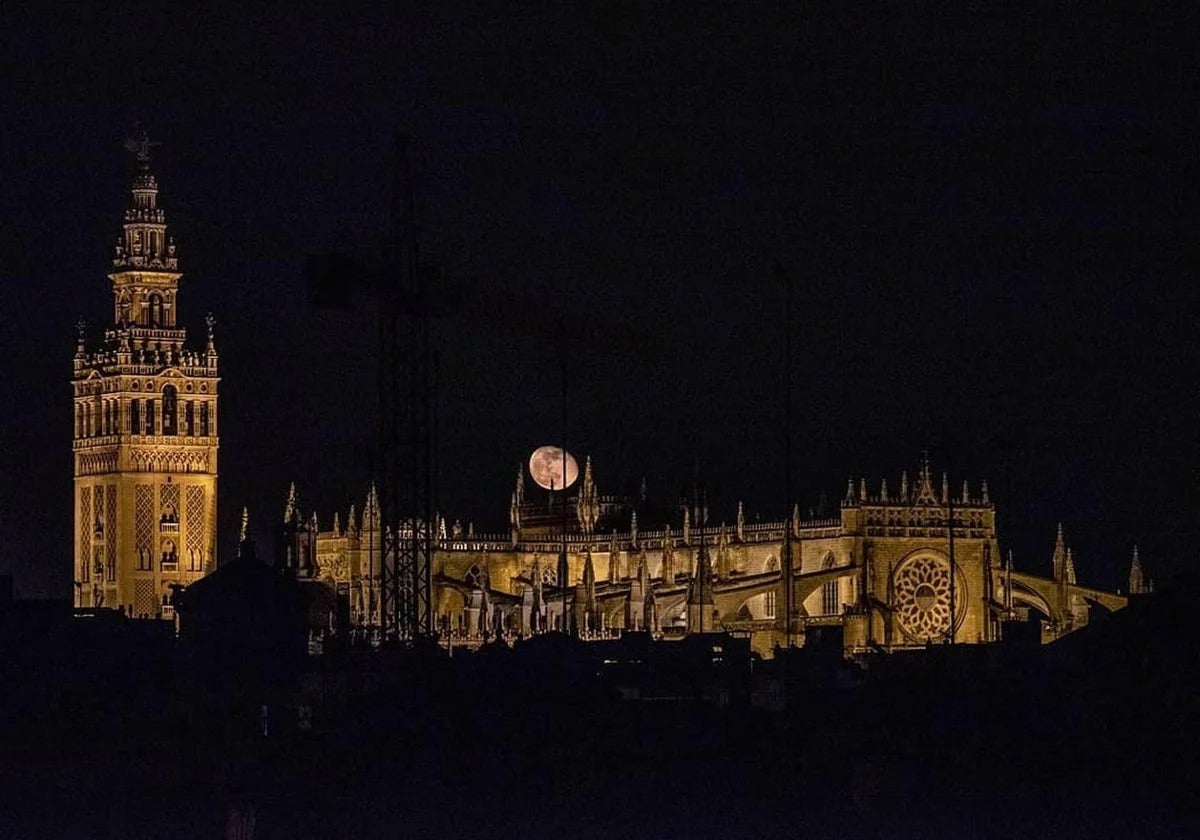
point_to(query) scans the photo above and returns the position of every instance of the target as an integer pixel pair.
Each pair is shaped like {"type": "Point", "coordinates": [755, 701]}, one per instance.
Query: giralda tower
{"type": "Point", "coordinates": [145, 442]}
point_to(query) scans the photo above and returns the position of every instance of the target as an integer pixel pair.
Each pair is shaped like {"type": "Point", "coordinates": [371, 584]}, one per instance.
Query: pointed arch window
{"type": "Point", "coordinates": [204, 419]}
{"type": "Point", "coordinates": [189, 418]}
{"type": "Point", "coordinates": [149, 417]}
{"type": "Point", "coordinates": [169, 402]}
{"type": "Point", "coordinates": [829, 591]}
{"type": "Point", "coordinates": [135, 417]}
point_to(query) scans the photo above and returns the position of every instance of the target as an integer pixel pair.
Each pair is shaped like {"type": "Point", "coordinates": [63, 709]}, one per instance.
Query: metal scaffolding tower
{"type": "Point", "coordinates": [402, 293]}
{"type": "Point", "coordinates": [405, 422]}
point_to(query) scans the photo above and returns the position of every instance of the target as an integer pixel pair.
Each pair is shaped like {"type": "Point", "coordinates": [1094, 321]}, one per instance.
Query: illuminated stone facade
{"type": "Point", "coordinates": [145, 430]}
{"type": "Point", "coordinates": [881, 570]}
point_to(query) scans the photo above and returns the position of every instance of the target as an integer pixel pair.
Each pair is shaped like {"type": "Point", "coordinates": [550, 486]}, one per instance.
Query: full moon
{"type": "Point", "coordinates": [546, 467]}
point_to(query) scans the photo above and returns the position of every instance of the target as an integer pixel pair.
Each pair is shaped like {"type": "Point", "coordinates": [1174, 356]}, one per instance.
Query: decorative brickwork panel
{"type": "Point", "coordinates": [195, 518]}
{"type": "Point", "coordinates": [102, 565]}
{"type": "Point", "coordinates": [143, 511]}
{"type": "Point", "coordinates": [195, 528]}
{"type": "Point", "coordinates": [144, 600]}
{"type": "Point", "coordinates": [168, 501]}
{"type": "Point", "coordinates": [85, 533]}
{"type": "Point", "coordinates": [143, 525]}
{"type": "Point", "coordinates": [110, 529]}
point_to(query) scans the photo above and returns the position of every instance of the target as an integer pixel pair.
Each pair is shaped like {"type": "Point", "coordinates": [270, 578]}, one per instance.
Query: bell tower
{"type": "Point", "coordinates": [145, 443]}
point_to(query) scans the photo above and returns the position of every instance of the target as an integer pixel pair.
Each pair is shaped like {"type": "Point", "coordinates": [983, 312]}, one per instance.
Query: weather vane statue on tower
{"type": "Point", "coordinates": [139, 145]}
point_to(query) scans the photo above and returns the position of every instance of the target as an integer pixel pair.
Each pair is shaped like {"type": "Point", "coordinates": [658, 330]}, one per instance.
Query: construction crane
{"type": "Point", "coordinates": [402, 293]}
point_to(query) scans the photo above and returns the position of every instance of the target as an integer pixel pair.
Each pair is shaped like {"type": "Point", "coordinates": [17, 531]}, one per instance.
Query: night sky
{"type": "Point", "coordinates": [990, 226]}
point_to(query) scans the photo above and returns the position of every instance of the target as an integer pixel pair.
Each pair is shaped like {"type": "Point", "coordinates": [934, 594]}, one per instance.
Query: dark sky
{"type": "Point", "coordinates": [990, 225]}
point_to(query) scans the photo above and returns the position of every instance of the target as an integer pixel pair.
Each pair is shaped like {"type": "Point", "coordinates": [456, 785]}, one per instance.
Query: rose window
{"type": "Point", "coordinates": [921, 599]}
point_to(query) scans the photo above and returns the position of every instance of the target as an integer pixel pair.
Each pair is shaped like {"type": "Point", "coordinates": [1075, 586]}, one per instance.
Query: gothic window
{"type": "Point", "coordinates": [829, 591]}
{"type": "Point", "coordinates": [116, 417]}
{"type": "Point", "coordinates": [189, 418]}
{"type": "Point", "coordinates": [149, 417]}
{"type": "Point", "coordinates": [473, 577]}
{"type": "Point", "coordinates": [78, 421]}
{"type": "Point", "coordinates": [204, 419]}
{"type": "Point", "coordinates": [549, 576]}
{"type": "Point", "coordinates": [168, 410]}
{"type": "Point", "coordinates": [108, 418]}
{"type": "Point", "coordinates": [769, 605]}
{"type": "Point", "coordinates": [135, 417]}
{"type": "Point", "coordinates": [155, 310]}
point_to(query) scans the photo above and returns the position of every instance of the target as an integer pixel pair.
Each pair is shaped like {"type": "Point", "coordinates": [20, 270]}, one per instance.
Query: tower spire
{"type": "Point", "coordinates": [289, 508]}
{"type": "Point", "coordinates": [1059, 558]}
{"type": "Point", "coordinates": [1137, 580]}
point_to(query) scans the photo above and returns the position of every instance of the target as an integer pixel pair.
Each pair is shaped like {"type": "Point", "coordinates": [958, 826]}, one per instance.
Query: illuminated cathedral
{"type": "Point", "coordinates": [145, 441]}
{"type": "Point", "coordinates": [893, 569]}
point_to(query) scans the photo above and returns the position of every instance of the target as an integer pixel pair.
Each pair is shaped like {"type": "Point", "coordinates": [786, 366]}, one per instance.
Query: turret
{"type": "Point", "coordinates": [591, 615]}
{"type": "Point", "coordinates": [1059, 558]}
{"type": "Point", "coordinates": [668, 558]}
{"type": "Point", "coordinates": [587, 509]}
{"type": "Point", "coordinates": [723, 554]}
{"type": "Point", "coordinates": [289, 508]}
{"type": "Point", "coordinates": [1137, 581]}
{"type": "Point", "coordinates": [370, 518]}
{"type": "Point", "coordinates": [614, 559]}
